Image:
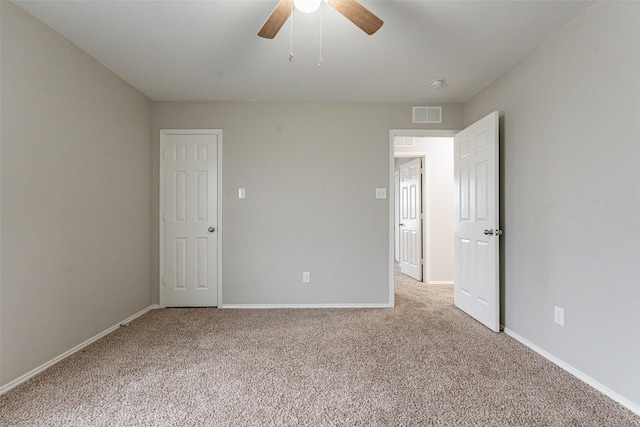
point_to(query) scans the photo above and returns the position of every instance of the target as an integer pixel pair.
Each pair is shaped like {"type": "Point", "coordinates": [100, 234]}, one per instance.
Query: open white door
{"type": "Point", "coordinates": [189, 207]}
{"type": "Point", "coordinates": [477, 287]}
{"type": "Point", "coordinates": [396, 217]}
{"type": "Point", "coordinates": [411, 219]}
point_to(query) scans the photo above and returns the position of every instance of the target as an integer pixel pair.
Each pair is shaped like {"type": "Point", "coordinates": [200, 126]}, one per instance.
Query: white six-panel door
{"type": "Point", "coordinates": [410, 219]}
{"type": "Point", "coordinates": [396, 217]}
{"type": "Point", "coordinates": [189, 218]}
{"type": "Point", "coordinates": [476, 289]}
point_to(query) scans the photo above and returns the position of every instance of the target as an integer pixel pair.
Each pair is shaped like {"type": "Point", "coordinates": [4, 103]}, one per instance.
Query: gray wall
{"type": "Point", "coordinates": [310, 171]}
{"type": "Point", "coordinates": [76, 196]}
{"type": "Point", "coordinates": [571, 200]}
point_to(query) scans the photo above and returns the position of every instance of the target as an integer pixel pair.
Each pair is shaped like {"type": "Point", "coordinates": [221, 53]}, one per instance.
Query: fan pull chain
{"type": "Point", "coordinates": [291, 36]}
{"type": "Point", "coordinates": [320, 54]}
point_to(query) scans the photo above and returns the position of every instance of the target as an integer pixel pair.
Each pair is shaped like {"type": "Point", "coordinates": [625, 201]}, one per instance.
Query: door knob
{"type": "Point", "coordinates": [401, 225]}
{"type": "Point", "coordinates": [488, 232]}
{"type": "Point", "coordinates": [211, 229]}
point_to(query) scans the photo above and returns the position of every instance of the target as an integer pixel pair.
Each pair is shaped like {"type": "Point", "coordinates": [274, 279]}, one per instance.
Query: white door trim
{"type": "Point", "coordinates": [163, 133]}
{"type": "Point", "coordinates": [392, 134]}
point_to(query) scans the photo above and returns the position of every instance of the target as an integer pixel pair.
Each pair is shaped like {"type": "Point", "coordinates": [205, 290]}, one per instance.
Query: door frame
{"type": "Point", "coordinates": [161, 205]}
{"type": "Point", "coordinates": [414, 133]}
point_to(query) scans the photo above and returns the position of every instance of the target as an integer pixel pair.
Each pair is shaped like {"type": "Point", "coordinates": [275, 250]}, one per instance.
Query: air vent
{"type": "Point", "coordinates": [404, 141]}
{"type": "Point", "coordinates": [427, 114]}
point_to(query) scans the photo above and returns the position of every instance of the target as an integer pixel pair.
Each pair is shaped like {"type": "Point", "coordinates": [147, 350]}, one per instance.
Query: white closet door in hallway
{"type": "Point", "coordinates": [411, 219]}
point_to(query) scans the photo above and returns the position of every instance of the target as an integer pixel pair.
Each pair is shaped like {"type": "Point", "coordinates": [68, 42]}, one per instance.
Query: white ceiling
{"type": "Point", "coordinates": [209, 50]}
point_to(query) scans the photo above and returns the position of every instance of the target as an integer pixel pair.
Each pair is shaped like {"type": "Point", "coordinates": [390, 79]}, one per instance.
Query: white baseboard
{"type": "Point", "coordinates": [276, 306]}
{"type": "Point", "coordinates": [440, 282]}
{"type": "Point", "coordinates": [5, 388]}
{"type": "Point", "coordinates": [576, 373]}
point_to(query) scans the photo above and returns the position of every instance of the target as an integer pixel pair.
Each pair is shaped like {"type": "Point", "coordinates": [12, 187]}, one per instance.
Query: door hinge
{"type": "Point", "coordinates": [164, 216]}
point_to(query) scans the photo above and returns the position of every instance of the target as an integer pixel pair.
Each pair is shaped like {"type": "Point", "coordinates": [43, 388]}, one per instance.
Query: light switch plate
{"type": "Point", "coordinates": [242, 193]}
{"type": "Point", "coordinates": [558, 315]}
{"type": "Point", "coordinates": [381, 193]}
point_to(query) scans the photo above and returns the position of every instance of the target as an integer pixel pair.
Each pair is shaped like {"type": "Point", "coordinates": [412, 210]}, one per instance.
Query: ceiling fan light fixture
{"type": "Point", "coordinates": [307, 6]}
{"type": "Point", "coordinates": [350, 9]}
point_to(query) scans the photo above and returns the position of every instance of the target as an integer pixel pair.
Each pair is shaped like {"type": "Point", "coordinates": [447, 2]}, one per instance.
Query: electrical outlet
{"type": "Point", "coordinates": [306, 277]}
{"type": "Point", "coordinates": [381, 193]}
{"type": "Point", "coordinates": [558, 315]}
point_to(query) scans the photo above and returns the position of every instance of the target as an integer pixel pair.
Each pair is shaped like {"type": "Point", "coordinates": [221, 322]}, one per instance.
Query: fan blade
{"type": "Point", "coordinates": [358, 14]}
{"type": "Point", "coordinates": [277, 19]}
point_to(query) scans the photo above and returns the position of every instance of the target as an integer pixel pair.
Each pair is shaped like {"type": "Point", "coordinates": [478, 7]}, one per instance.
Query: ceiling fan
{"type": "Point", "coordinates": [350, 9]}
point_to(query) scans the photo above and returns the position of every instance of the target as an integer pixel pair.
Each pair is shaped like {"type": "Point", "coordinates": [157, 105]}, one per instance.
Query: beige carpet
{"type": "Point", "coordinates": [422, 363]}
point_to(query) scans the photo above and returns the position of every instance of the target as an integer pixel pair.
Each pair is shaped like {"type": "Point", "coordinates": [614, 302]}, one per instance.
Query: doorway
{"type": "Point", "coordinates": [435, 150]}
{"type": "Point", "coordinates": [476, 260]}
